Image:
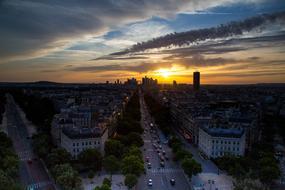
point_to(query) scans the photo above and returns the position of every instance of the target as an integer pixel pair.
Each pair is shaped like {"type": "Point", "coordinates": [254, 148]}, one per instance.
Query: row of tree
{"type": "Point", "coordinates": [38, 110]}
{"type": "Point", "coordinates": [190, 166]}
{"type": "Point", "coordinates": [162, 117]}
{"type": "Point", "coordinates": [122, 152]}
{"type": "Point", "coordinates": [2, 105]}
{"type": "Point", "coordinates": [160, 113]}
{"type": "Point", "coordinates": [9, 161]}
{"type": "Point", "coordinates": [9, 164]}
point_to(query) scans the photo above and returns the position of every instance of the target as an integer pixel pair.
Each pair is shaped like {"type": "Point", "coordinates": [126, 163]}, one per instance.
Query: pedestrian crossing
{"type": "Point", "coordinates": [38, 185]}
{"type": "Point", "coordinates": [165, 170]}
{"type": "Point", "coordinates": [25, 155]}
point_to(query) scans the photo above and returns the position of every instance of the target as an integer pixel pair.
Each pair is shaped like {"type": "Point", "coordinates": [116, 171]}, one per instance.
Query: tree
{"type": "Point", "coordinates": [106, 185]}
{"type": "Point", "coordinates": [91, 158]}
{"type": "Point", "coordinates": [191, 167]}
{"type": "Point", "coordinates": [103, 187]}
{"type": "Point", "coordinates": [131, 180]}
{"type": "Point", "coordinates": [114, 147]}
{"type": "Point", "coordinates": [42, 144]}
{"type": "Point", "coordinates": [134, 151]}
{"type": "Point", "coordinates": [66, 177]}
{"type": "Point", "coordinates": [269, 173]}
{"type": "Point", "coordinates": [7, 183]}
{"type": "Point", "coordinates": [107, 181]}
{"type": "Point", "coordinates": [111, 164]}
{"type": "Point", "coordinates": [58, 156]}
{"type": "Point", "coordinates": [182, 153]}
{"type": "Point", "coordinates": [91, 174]}
{"type": "Point", "coordinates": [10, 164]}
{"type": "Point", "coordinates": [132, 165]}
{"type": "Point", "coordinates": [5, 142]}
{"type": "Point", "coordinates": [132, 138]}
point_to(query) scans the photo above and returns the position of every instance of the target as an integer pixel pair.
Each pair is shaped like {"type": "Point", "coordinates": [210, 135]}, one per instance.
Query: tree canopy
{"type": "Point", "coordinates": [91, 158]}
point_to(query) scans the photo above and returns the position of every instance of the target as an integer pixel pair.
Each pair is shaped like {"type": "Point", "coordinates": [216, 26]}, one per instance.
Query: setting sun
{"type": "Point", "coordinates": [164, 72]}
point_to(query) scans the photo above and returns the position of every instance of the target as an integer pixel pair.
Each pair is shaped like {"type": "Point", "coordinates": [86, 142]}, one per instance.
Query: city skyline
{"type": "Point", "coordinates": [94, 42]}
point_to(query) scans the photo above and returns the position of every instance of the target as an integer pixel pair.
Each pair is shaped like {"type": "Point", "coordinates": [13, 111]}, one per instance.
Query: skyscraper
{"type": "Point", "coordinates": [196, 81]}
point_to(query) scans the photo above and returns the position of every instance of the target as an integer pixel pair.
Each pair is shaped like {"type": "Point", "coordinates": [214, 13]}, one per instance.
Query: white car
{"type": "Point", "coordinates": [150, 182]}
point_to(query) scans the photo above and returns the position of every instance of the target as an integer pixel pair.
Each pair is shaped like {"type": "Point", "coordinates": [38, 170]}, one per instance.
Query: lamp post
{"type": "Point", "coordinates": [211, 182]}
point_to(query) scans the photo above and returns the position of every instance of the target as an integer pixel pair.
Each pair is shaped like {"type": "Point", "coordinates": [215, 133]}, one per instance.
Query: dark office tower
{"type": "Point", "coordinates": [196, 81]}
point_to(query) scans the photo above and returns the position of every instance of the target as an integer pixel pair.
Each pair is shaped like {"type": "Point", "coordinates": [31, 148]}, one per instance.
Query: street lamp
{"type": "Point", "coordinates": [211, 182]}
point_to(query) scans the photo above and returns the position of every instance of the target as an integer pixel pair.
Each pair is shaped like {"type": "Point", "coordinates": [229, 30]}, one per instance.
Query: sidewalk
{"type": "Point", "coordinates": [212, 181]}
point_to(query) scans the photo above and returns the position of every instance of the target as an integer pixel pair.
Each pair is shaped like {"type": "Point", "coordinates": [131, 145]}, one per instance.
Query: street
{"type": "Point", "coordinates": [152, 152]}
{"type": "Point", "coordinates": [32, 172]}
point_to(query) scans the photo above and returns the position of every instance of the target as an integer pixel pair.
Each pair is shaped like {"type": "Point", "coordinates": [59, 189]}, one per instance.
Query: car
{"type": "Point", "coordinates": [166, 157]}
{"type": "Point", "coordinates": [162, 164]}
{"type": "Point", "coordinates": [147, 159]}
{"type": "Point", "coordinates": [149, 182]}
{"type": "Point", "coordinates": [161, 158]}
{"type": "Point", "coordinates": [160, 146]}
{"type": "Point", "coordinates": [172, 181]}
{"type": "Point", "coordinates": [149, 165]}
{"type": "Point", "coordinates": [163, 152]}
{"type": "Point", "coordinates": [157, 151]}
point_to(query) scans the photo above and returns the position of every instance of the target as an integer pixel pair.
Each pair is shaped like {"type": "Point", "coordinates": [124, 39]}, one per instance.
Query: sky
{"type": "Point", "coordinates": [93, 41]}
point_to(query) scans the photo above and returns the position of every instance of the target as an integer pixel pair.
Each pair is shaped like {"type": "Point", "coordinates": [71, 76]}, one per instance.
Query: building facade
{"type": "Point", "coordinates": [75, 140]}
{"type": "Point", "coordinates": [217, 142]}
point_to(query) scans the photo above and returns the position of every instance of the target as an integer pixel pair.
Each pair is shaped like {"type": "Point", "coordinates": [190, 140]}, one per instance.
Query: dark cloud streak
{"type": "Point", "coordinates": [193, 36]}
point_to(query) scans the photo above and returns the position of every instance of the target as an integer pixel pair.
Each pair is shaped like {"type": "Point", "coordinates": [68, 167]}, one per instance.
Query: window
{"type": "Point", "coordinates": [222, 142]}
{"type": "Point", "coordinates": [73, 144]}
{"type": "Point", "coordinates": [86, 143]}
{"type": "Point", "coordinates": [94, 142]}
{"type": "Point", "coordinates": [90, 143]}
{"type": "Point", "coordinates": [82, 143]}
{"type": "Point", "coordinates": [74, 150]}
{"type": "Point", "coordinates": [213, 141]}
{"type": "Point", "coordinates": [234, 142]}
{"type": "Point", "coordinates": [77, 144]}
{"type": "Point", "coordinates": [98, 142]}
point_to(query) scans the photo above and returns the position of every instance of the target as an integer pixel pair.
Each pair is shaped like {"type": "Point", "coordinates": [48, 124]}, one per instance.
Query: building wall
{"type": "Point", "coordinates": [76, 146]}
{"type": "Point", "coordinates": [214, 147]}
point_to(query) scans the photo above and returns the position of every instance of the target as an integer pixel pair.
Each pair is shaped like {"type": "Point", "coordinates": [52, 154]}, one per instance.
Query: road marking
{"type": "Point", "coordinates": [25, 155]}
{"type": "Point", "coordinates": [165, 170]}
{"type": "Point", "coordinates": [39, 185]}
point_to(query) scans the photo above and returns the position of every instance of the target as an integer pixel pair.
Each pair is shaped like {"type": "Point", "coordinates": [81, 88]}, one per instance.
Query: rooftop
{"type": "Point", "coordinates": [80, 133]}
{"type": "Point", "coordinates": [224, 132]}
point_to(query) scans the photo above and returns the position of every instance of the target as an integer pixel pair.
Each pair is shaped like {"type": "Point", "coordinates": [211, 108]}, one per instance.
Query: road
{"type": "Point", "coordinates": [32, 172]}
{"type": "Point", "coordinates": [160, 176]}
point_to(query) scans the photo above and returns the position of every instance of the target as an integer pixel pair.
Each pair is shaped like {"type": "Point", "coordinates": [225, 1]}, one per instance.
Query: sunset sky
{"type": "Point", "coordinates": [86, 41]}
